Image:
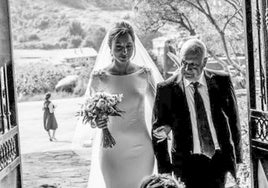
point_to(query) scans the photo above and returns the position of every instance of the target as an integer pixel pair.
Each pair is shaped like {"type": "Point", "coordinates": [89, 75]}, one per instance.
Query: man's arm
{"type": "Point", "coordinates": [161, 116]}
{"type": "Point", "coordinates": [231, 110]}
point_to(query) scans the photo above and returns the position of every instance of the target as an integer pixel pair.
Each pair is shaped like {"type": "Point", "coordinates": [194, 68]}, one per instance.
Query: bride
{"type": "Point", "coordinates": [124, 67]}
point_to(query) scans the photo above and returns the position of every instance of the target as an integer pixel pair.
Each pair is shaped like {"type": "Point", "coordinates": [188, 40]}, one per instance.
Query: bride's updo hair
{"type": "Point", "coordinates": [119, 29]}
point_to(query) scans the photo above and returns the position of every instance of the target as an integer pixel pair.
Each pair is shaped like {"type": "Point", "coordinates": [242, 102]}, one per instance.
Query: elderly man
{"type": "Point", "coordinates": [200, 108]}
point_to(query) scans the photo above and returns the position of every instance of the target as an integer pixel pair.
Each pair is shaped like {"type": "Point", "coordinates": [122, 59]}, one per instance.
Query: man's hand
{"type": "Point", "coordinates": [161, 133]}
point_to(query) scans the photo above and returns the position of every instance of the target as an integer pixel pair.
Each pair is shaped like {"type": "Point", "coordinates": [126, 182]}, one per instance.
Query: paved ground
{"type": "Point", "coordinates": [62, 169]}
{"type": "Point", "coordinates": [47, 163]}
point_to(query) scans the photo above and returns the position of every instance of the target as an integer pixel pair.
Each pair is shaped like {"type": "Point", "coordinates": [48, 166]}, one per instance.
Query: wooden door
{"type": "Point", "coordinates": [10, 158]}
{"type": "Point", "coordinates": [256, 26]}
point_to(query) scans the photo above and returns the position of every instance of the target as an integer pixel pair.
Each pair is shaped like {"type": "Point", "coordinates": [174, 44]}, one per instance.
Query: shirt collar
{"type": "Point", "coordinates": [201, 80]}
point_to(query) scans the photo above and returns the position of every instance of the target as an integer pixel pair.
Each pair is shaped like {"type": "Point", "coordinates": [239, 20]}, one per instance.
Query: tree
{"type": "Point", "coordinates": [94, 37]}
{"type": "Point", "coordinates": [76, 29]}
{"type": "Point", "coordinates": [75, 41]}
{"type": "Point", "coordinates": [212, 19]}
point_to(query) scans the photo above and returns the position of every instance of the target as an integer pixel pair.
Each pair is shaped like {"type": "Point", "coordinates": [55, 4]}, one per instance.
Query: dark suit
{"type": "Point", "coordinates": [171, 109]}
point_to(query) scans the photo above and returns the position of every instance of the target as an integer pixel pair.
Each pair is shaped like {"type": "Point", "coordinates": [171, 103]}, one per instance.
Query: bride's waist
{"type": "Point", "coordinates": [132, 140]}
{"type": "Point", "coordinates": [126, 120]}
{"type": "Point", "coordinates": [129, 128]}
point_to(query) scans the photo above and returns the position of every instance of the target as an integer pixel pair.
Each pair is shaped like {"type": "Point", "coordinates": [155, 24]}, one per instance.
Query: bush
{"type": "Point", "coordinates": [88, 43]}
{"type": "Point", "coordinates": [75, 41]}
{"type": "Point", "coordinates": [95, 36]}
{"type": "Point", "coordinates": [78, 4]}
{"type": "Point", "coordinates": [40, 97]}
{"type": "Point", "coordinates": [112, 4]}
{"type": "Point", "coordinates": [63, 44]}
{"type": "Point", "coordinates": [63, 39]}
{"type": "Point", "coordinates": [36, 78]}
{"type": "Point", "coordinates": [42, 24]}
{"type": "Point", "coordinates": [22, 38]}
{"type": "Point", "coordinates": [33, 37]}
{"type": "Point", "coordinates": [76, 29]}
{"type": "Point", "coordinates": [38, 45]}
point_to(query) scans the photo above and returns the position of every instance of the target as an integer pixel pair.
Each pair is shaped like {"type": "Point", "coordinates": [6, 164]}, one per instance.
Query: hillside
{"type": "Point", "coordinates": [46, 23]}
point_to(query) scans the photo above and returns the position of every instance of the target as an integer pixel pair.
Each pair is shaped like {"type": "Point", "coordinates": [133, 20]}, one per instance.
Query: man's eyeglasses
{"type": "Point", "coordinates": [190, 65]}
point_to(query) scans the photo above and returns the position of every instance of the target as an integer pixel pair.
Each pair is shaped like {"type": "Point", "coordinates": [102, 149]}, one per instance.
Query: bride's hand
{"type": "Point", "coordinates": [161, 133]}
{"type": "Point", "coordinates": [101, 123]}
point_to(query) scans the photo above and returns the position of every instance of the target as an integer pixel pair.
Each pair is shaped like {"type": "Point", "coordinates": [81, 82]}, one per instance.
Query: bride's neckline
{"type": "Point", "coordinates": [129, 74]}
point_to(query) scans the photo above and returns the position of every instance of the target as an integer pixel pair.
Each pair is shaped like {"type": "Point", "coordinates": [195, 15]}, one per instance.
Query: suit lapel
{"type": "Point", "coordinates": [213, 92]}
{"type": "Point", "coordinates": [178, 86]}
{"type": "Point", "coordinates": [212, 85]}
{"type": "Point", "coordinates": [182, 106]}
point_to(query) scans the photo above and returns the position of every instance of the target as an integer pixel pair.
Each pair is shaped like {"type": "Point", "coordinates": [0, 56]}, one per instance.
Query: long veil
{"type": "Point", "coordinates": [84, 133]}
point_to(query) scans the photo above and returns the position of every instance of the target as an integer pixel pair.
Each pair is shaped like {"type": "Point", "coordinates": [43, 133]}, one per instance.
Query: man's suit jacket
{"type": "Point", "coordinates": [171, 109]}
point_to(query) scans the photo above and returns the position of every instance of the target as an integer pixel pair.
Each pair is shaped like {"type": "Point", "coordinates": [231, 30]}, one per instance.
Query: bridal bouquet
{"type": "Point", "coordinates": [99, 107]}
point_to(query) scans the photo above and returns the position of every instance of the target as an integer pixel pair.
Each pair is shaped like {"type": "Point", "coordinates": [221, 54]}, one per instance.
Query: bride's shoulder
{"type": "Point", "coordinates": [138, 68]}
{"type": "Point", "coordinates": [102, 73]}
{"type": "Point", "coordinates": [146, 70]}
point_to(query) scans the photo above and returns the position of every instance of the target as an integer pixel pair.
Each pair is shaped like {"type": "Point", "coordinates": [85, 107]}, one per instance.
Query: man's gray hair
{"type": "Point", "coordinates": [194, 46]}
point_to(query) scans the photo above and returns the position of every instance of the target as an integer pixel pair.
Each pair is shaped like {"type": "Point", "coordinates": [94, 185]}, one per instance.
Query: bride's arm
{"type": "Point", "coordinates": [92, 85]}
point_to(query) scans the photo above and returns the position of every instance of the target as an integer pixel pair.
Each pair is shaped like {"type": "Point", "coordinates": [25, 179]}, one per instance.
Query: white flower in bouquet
{"type": "Point", "coordinates": [101, 104]}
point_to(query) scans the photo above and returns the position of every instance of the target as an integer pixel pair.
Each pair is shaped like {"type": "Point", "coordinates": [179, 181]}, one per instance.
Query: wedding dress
{"type": "Point", "coordinates": [132, 158]}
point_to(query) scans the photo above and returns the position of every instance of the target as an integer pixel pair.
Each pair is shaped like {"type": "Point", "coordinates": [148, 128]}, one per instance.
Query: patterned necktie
{"type": "Point", "coordinates": [206, 142]}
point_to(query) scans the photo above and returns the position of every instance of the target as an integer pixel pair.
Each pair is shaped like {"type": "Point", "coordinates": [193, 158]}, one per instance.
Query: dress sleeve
{"type": "Point", "coordinates": [93, 83]}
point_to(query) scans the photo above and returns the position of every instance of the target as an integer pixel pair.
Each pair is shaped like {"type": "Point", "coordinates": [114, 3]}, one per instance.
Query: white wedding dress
{"type": "Point", "coordinates": [132, 157]}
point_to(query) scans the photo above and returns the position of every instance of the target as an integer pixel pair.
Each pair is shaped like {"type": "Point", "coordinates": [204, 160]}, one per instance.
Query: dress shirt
{"type": "Point", "coordinates": [203, 90]}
